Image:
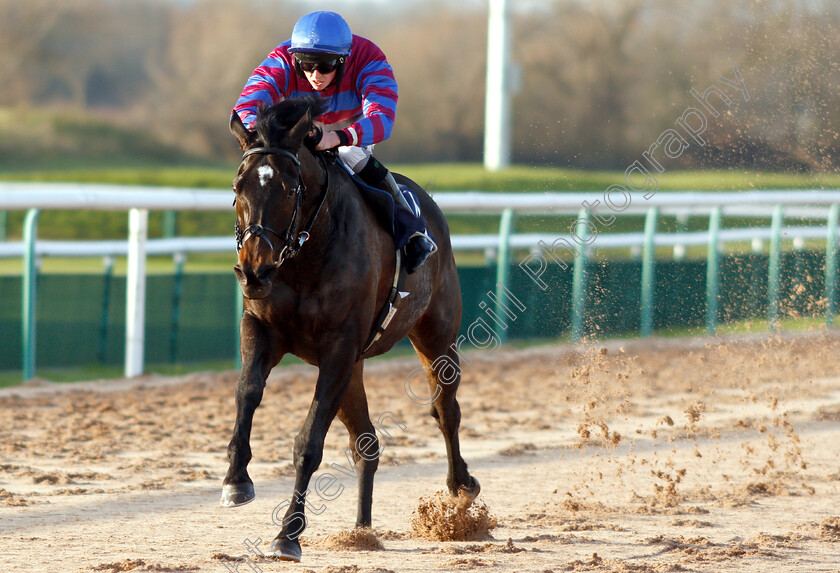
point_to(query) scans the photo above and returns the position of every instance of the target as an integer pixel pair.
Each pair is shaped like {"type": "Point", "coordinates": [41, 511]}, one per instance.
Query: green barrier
{"type": "Point", "coordinates": [682, 298]}
{"type": "Point", "coordinates": [106, 308]}
{"type": "Point", "coordinates": [613, 297]}
{"type": "Point", "coordinates": [177, 291]}
{"type": "Point", "coordinates": [74, 311]}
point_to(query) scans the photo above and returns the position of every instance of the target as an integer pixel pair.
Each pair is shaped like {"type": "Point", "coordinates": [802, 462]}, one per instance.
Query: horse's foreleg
{"type": "Point", "coordinates": [238, 489]}
{"type": "Point", "coordinates": [333, 379]}
{"type": "Point", "coordinates": [364, 444]}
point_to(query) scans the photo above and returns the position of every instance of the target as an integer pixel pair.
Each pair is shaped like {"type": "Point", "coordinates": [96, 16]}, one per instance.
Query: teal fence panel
{"type": "Point", "coordinates": [614, 297]}
{"type": "Point", "coordinates": [69, 310]}
{"type": "Point", "coordinates": [476, 283]}
{"type": "Point", "coordinates": [802, 290]}
{"type": "Point", "coordinates": [205, 329]}
{"type": "Point", "coordinates": [548, 313]}
{"type": "Point", "coordinates": [76, 329]}
{"type": "Point", "coordinates": [681, 293]}
{"type": "Point", "coordinates": [11, 351]}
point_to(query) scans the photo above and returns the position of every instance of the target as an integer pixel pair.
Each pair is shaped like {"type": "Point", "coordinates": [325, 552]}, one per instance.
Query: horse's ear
{"type": "Point", "coordinates": [301, 129]}
{"type": "Point", "coordinates": [240, 132]}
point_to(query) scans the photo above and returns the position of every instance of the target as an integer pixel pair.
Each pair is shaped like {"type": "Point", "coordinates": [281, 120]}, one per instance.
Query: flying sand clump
{"type": "Point", "coordinates": [442, 517]}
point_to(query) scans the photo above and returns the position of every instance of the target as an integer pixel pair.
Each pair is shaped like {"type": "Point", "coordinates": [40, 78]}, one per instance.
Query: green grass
{"type": "Point", "coordinates": [459, 176]}
{"type": "Point", "coordinates": [452, 177]}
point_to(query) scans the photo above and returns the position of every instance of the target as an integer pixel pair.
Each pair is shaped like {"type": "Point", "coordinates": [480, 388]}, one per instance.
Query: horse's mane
{"type": "Point", "coordinates": [273, 123]}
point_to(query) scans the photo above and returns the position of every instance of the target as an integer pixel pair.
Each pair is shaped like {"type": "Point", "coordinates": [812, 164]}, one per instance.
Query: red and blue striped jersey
{"type": "Point", "coordinates": [367, 92]}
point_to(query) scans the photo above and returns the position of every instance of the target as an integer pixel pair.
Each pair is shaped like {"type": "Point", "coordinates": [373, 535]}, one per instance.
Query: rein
{"type": "Point", "coordinates": [293, 241]}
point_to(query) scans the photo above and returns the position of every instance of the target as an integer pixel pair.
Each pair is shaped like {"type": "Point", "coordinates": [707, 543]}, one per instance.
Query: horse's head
{"type": "Point", "coordinates": [269, 187]}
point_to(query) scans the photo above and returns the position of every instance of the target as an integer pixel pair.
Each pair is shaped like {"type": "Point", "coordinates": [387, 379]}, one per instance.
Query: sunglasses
{"type": "Point", "coordinates": [323, 67]}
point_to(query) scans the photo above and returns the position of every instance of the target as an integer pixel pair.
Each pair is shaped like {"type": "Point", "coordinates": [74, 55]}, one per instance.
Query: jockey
{"type": "Point", "coordinates": [352, 73]}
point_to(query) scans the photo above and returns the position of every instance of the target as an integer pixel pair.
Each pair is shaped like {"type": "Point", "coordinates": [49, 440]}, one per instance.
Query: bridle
{"type": "Point", "coordinates": [292, 241]}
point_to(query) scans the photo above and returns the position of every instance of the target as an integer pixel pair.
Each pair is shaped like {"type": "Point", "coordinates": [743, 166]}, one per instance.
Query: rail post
{"type": "Point", "coordinates": [713, 271]}
{"type": "Point", "coordinates": [579, 278]}
{"type": "Point", "coordinates": [135, 305]}
{"type": "Point", "coordinates": [29, 292]}
{"type": "Point", "coordinates": [170, 224]}
{"type": "Point", "coordinates": [648, 272]}
{"type": "Point", "coordinates": [775, 268]}
{"type": "Point", "coordinates": [177, 290]}
{"type": "Point", "coordinates": [831, 265]}
{"type": "Point", "coordinates": [108, 262]}
{"type": "Point", "coordinates": [506, 229]}
{"type": "Point", "coordinates": [682, 227]}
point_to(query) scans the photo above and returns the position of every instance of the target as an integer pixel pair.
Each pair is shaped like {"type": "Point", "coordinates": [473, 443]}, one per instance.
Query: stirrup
{"type": "Point", "coordinates": [419, 248]}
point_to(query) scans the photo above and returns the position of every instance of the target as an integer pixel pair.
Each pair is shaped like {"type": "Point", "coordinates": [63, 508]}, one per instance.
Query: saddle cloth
{"type": "Point", "coordinates": [402, 223]}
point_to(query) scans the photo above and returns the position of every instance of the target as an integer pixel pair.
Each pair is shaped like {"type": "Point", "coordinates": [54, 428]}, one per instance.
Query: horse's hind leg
{"type": "Point", "coordinates": [364, 444]}
{"type": "Point", "coordinates": [444, 375]}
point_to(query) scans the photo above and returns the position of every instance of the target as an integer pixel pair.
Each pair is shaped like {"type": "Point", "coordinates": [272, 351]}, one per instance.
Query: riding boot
{"type": "Point", "coordinates": [420, 245]}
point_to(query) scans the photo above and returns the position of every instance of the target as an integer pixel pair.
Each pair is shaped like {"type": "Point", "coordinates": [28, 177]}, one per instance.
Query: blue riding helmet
{"type": "Point", "coordinates": [322, 32]}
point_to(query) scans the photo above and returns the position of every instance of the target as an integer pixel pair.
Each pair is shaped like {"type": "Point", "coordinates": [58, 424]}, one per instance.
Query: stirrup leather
{"type": "Point", "coordinates": [391, 304]}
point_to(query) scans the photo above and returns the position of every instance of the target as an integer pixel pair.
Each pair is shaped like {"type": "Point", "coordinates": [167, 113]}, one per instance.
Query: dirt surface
{"type": "Point", "coordinates": [704, 455]}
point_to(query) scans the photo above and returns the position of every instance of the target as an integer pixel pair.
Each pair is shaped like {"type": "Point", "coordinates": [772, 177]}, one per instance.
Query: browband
{"type": "Point", "coordinates": [270, 151]}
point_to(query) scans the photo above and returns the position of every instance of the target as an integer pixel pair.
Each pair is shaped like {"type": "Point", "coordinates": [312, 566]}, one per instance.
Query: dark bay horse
{"type": "Point", "coordinates": [316, 267]}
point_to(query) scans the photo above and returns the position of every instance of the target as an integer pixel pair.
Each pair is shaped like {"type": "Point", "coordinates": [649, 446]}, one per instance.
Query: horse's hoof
{"type": "Point", "coordinates": [472, 490]}
{"type": "Point", "coordinates": [285, 549]}
{"type": "Point", "coordinates": [236, 494]}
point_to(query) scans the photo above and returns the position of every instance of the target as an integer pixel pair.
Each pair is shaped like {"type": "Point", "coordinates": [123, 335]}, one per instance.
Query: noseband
{"type": "Point", "coordinates": [292, 241]}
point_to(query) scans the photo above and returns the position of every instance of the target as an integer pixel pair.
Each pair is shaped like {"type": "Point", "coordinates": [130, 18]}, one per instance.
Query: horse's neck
{"type": "Point", "coordinates": [347, 203]}
{"type": "Point", "coordinates": [318, 209]}
{"type": "Point", "coordinates": [345, 221]}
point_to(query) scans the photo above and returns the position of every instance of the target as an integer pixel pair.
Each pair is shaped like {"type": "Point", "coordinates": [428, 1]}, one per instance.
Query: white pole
{"type": "Point", "coordinates": [135, 304]}
{"type": "Point", "coordinates": [497, 99]}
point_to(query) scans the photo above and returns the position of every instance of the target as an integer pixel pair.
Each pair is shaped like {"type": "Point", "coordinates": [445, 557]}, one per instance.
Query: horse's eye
{"type": "Point", "coordinates": [236, 183]}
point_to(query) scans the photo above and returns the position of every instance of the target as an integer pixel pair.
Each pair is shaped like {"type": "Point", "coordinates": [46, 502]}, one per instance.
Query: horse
{"type": "Point", "coordinates": [316, 294]}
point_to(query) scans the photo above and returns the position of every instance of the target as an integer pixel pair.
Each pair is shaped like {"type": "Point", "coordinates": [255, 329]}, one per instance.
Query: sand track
{"type": "Point", "coordinates": [679, 455]}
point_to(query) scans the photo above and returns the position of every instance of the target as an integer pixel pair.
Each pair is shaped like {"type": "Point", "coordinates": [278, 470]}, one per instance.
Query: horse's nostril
{"type": "Point", "coordinates": [266, 274]}
{"type": "Point", "coordinates": [246, 277]}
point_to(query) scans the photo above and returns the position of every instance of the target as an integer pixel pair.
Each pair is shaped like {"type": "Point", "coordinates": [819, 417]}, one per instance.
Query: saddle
{"type": "Point", "coordinates": [399, 221]}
